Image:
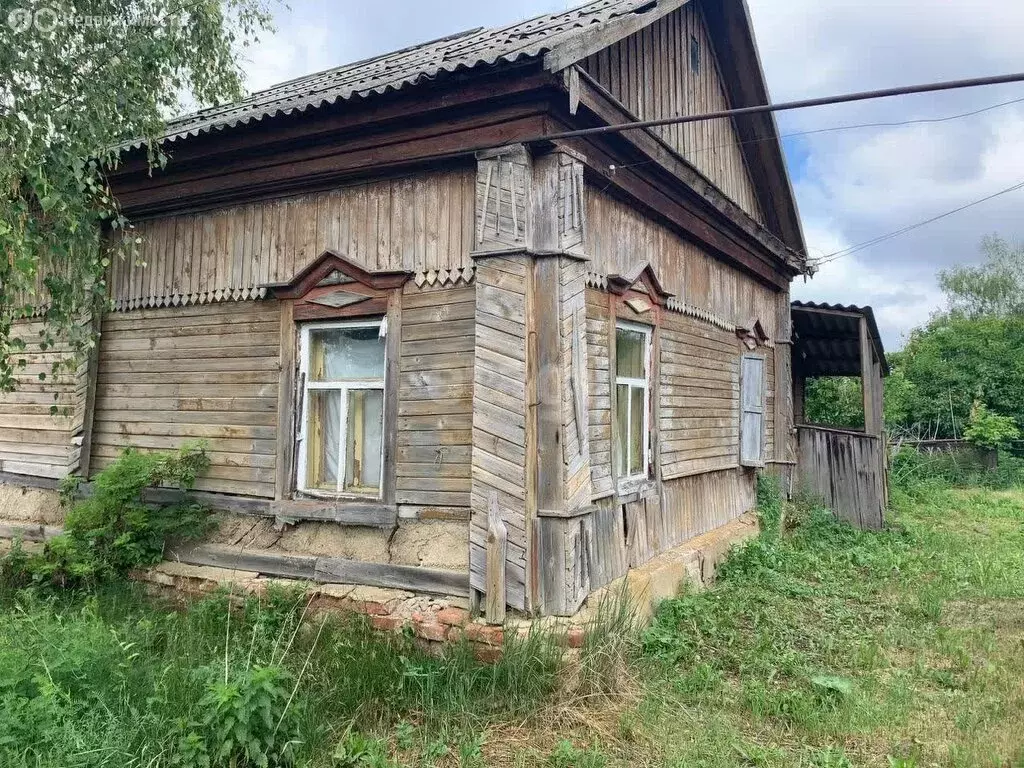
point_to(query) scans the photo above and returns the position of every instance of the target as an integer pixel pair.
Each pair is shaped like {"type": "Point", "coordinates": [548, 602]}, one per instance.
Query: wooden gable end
{"type": "Point", "coordinates": [670, 67]}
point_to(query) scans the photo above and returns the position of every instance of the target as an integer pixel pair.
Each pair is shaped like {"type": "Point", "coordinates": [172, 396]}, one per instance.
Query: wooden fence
{"type": "Point", "coordinates": [847, 470]}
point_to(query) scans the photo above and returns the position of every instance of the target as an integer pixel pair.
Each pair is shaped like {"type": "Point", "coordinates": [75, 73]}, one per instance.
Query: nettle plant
{"type": "Point", "coordinates": [115, 529]}
{"type": "Point", "coordinates": [80, 81]}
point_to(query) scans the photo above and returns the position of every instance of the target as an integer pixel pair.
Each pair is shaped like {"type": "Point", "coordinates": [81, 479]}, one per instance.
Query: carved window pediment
{"type": "Point", "coordinates": [640, 279]}
{"type": "Point", "coordinates": [333, 286]}
{"type": "Point", "coordinates": [752, 333]}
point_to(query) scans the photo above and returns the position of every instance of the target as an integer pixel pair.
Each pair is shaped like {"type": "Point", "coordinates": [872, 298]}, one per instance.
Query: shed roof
{"type": "Point", "coordinates": [408, 66]}
{"type": "Point", "coordinates": [826, 338]}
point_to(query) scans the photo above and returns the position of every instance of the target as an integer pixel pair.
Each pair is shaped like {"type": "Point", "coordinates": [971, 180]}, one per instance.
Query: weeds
{"type": "Point", "coordinates": [114, 530]}
{"type": "Point", "coordinates": [820, 645]}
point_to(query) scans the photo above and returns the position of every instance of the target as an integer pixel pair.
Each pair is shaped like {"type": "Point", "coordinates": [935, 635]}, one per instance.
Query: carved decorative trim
{"type": "Point", "coordinates": [672, 304]}
{"type": "Point", "coordinates": [185, 300]}
{"type": "Point", "coordinates": [442, 277]}
{"type": "Point", "coordinates": [502, 198]}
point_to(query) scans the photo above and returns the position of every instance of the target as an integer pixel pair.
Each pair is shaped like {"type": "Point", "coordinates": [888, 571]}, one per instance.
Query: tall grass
{"type": "Point", "coordinates": [114, 678]}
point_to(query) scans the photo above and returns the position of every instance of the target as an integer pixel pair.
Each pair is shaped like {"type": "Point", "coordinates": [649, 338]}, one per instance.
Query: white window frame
{"type": "Point", "coordinates": [629, 482]}
{"type": "Point", "coordinates": [344, 386]}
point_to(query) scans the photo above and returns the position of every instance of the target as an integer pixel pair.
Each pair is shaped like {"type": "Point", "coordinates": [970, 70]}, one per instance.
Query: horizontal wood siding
{"type": "Point", "coordinates": [435, 397]}
{"type": "Point", "coordinates": [618, 236]}
{"type": "Point", "coordinates": [698, 414]}
{"type": "Point", "coordinates": [600, 399]}
{"type": "Point", "coordinates": [499, 418]}
{"type": "Point", "coordinates": [168, 376]}
{"type": "Point", "coordinates": [417, 223]}
{"type": "Point", "coordinates": [649, 72]}
{"type": "Point", "coordinates": [33, 440]}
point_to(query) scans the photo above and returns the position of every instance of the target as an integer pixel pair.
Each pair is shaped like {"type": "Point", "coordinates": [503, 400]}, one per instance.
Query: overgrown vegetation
{"type": "Point", "coordinates": [830, 646]}
{"type": "Point", "coordinates": [820, 645]}
{"type": "Point", "coordinates": [115, 530]}
{"type": "Point", "coordinates": [72, 94]}
{"type": "Point", "coordinates": [961, 375]}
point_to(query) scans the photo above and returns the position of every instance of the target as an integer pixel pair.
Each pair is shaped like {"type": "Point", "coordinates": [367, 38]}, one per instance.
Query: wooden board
{"type": "Point", "coordinates": [650, 73]}
{"type": "Point", "coordinates": [619, 235]}
{"type": "Point", "coordinates": [846, 470]}
{"type": "Point", "coordinates": [230, 252]}
{"type": "Point", "coordinates": [698, 395]}
{"type": "Point", "coordinates": [33, 439]}
{"type": "Point", "coordinates": [499, 432]}
{"type": "Point", "coordinates": [434, 417]}
{"type": "Point", "coordinates": [207, 373]}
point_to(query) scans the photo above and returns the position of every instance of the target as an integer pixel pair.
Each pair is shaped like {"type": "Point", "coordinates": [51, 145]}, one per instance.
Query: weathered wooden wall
{"type": "Point", "coordinates": [846, 469]}
{"type": "Point", "coordinates": [649, 73]}
{"type": "Point", "coordinates": [698, 412]}
{"type": "Point", "coordinates": [435, 409]}
{"type": "Point", "coordinates": [418, 223]}
{"type": "Point", "coordinates": [621, 536]}
{"type": "Point", "coordinates": [33, 439]}
{"type": "Point", "coordinates": [619, 236]}
{"type": "Point", "coordinates": [600, 394]}
{"type": "Point", "coordinates": [575, 395]}
{"type": "Point", "coordinates": [167, 376]}
{"type": "Point", "coordinates": [500, 420]}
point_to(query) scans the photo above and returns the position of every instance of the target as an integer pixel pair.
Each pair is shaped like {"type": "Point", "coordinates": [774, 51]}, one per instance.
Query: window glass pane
{"type": "Point", "coordinates": [621, 428]}
{"type": "Point", "coordinates": [629, 353]}
{"type": "Point", "coordinates": [363, 453]}
{"type": "Point", "coordinates": [323, 437]}
{"type": "Point", "coordinates": [636, 432]}
{"type": "Point", "coordinates": [337, 354]}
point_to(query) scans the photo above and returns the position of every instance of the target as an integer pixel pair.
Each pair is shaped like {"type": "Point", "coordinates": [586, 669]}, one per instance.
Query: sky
{"type": "Point", "coordinates": [851, 185]}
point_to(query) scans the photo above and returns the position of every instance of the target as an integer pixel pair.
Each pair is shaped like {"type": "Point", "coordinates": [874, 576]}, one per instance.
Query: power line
{"type": "Point", "coordinates": [850, 127]}
{"type": "Point", "coordinates": [896, 233]}
{"type": "Point", "coordinates": [892, 124]}
{"type": "Point", "coordinates": [948, 85]}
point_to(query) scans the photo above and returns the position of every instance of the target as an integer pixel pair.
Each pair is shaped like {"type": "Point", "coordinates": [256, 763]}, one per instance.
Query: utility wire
{"type": "Point", "coordinates": [896, 233]}
{"type": "Point", "coordinates": [853, 126]}
{"type": "Point", "coordinates": [833, 129]}
{"type": "Point", "coordinates": [907, 90]}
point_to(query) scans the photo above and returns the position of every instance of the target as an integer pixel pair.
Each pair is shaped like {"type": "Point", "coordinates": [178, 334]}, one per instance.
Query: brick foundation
{"type": "Point", "coordinates": [435, 621]}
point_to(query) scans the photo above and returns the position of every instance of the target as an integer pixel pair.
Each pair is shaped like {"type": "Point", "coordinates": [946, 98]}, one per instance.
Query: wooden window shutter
{"type": "Point", "coordinates": [752, 411]}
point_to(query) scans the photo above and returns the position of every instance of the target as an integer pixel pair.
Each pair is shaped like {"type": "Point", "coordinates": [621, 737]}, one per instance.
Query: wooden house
{"type": "Point", "coordinates": [402, 317]}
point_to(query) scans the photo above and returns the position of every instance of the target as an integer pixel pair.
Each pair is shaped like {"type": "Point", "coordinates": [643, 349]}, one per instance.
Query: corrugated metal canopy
{"type": "Point", "coordinates": [406, 67]}
{"type": "Point", "coordinates": [826, 339]}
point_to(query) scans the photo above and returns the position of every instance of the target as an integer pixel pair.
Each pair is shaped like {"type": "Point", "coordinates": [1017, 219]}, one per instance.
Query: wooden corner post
{"type": "Point", "coordinates": [871, 382]}
{"type": "Point", "coordinates": [531, 462]}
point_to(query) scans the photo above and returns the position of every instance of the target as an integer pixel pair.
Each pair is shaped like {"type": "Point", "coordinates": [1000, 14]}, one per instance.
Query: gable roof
{"type": "Point", "coordinates": [411, 66]}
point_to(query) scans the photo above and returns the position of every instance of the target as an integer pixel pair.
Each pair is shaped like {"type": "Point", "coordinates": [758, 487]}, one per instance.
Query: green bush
{"type": "Point", "coordinates": [114, 530]}
{"type": "Point", "coordinates": [990, 430]}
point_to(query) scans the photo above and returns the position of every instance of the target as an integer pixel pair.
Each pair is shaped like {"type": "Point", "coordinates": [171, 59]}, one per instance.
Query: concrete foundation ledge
{"type": "Point", "coordinates": [693, 563]}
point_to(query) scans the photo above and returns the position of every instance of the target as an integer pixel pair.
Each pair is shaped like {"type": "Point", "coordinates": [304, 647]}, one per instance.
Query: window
{"type": "Point", "coordinates": [632, 400]}
{"type": "Point", "coordinates": [341, 436]}
{"type": "Point", "coordinates": [752, 411]}
{"type": "Point", "coordinates": [694, 55]}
